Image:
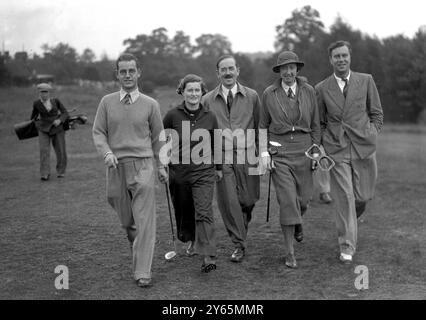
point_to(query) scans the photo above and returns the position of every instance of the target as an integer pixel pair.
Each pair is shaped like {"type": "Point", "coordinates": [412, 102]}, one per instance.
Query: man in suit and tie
{"type": "Point", "coordinates": [351, 116]}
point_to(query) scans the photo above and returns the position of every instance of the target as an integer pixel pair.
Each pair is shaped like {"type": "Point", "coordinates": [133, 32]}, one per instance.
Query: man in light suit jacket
{"type": "Point", "coordinates": [351, 116]}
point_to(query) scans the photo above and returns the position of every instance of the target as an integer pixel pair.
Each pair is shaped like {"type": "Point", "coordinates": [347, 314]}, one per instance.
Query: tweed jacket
{"type": "Point", "coordinates": [355, 120]}
{"type": "Point", "coordinates": [276, 120]}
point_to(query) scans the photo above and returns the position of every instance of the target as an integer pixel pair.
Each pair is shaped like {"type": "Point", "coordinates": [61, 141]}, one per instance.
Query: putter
{"type": "Point", "coordinates": [273, 149]}
{"type": "Point", "coordinates": [171, 254]}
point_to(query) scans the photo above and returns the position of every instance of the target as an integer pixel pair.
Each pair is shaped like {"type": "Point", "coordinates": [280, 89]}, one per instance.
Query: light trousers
{"type": "Point", "coordinates": [237, 193]}
{"type": "Point", "coordinates": [131, 192]}
{"type": "Point", "coordinates": [352, 184]}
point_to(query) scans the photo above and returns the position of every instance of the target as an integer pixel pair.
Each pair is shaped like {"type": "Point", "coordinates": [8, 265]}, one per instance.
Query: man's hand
{"type": "Point", "coordinates": [56, 122]}
{"type": "Point", "coordinates": [163, 176]}
{"type": "Point", "coordinates": [111, 160]}
{"type": "Point", "coordinates": [219, 175]}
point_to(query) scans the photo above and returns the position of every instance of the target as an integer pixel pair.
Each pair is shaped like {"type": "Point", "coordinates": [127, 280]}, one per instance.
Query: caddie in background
{"type": "Point", "coordinates": [351, 117]}
{"type": "Point", "coordinates": [126, 133]}
{"type": "Point", "coordinates": [237, 109]}
{"type": "Point", "coordinates": [50, 115]}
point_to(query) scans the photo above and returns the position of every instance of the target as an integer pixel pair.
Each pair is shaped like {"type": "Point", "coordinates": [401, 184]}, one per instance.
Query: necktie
{"type": "Point", "coordinates": [229, 100]}
{"type": "Point", "coordinates": [126, 99]}
{"type": "Point", "coordinates": [345, 88]}
{"type": "Point", "coordinates": [290, 93]}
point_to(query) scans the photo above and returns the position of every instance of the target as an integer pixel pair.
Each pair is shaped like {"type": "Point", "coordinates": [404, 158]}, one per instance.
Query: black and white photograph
{"type": "Point", "coordinates": [212, 156]}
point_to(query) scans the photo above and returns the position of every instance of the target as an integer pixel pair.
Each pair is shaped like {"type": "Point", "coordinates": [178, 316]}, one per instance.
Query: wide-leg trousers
{"type": "Point", "coordinates": [131, 192]}
{"type": "Point", "coordinates": [58, 143]}
{"type": "Point", "coordinates": [192, 195]}
{"type": "Point", "coordinates": [353, 183]}
{"type": "Point", "coordinates": [237, 193]}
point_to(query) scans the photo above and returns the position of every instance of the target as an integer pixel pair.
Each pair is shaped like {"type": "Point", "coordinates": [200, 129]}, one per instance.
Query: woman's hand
{"type": "Point", "coordinates": [163, 176]}
{"type": "Point", "coordinates": [56, 122]}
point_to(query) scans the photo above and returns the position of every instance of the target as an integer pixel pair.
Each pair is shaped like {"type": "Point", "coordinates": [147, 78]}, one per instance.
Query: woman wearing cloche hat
{"type": "Point", "coordinates": [290, 114]}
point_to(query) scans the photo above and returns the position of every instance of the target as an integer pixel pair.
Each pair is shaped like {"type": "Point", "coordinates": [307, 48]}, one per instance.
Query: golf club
{"type": "Point", "coordinates": [319, 158]}
{"type": "Point", "coordinates": [171, 254]}
{"type": "Point", "coordinates": [272, 151]}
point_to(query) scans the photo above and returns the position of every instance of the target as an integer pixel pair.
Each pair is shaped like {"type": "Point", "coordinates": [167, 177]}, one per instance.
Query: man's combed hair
{"type": "Point", "coordinates": [127, 57]}
{"type": "Point", "coordinates": [225, 56]}
{"type": "Point", "coordinates": [338, 44]}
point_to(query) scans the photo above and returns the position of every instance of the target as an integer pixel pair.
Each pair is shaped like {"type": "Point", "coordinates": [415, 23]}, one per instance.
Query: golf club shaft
{"type": "Point", "coordinates": [170, 210]}
{"type": "Point", "coordinates": [269, 196]}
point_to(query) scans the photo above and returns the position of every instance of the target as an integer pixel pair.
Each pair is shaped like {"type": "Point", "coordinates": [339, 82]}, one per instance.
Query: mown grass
{"type": "Point", "coordinates": [68, 222]}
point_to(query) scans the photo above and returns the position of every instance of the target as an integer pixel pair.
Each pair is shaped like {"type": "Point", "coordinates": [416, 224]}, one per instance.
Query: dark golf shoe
{"type": "Point", "coordinates": [144, 283]}
{"type": "Point", "coordinates": [209, 264]}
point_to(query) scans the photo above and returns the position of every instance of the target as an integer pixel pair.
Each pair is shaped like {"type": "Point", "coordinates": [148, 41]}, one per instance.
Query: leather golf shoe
{"type": "Point", "coordinates": [325, 197]}
{"type": "Point", "coordinates": [298, 232]}
{"type": "Point", "coordinates": [345, 258]}
{"type": "Point", "coordinates": [209, 264]}
{"type": "Point", "coordinates": [290, 261]}
{"type": "Point", "coordinates": [237, 255]}
{"type": "Point", "coordinates": [144, 282]}
{"type": "Point", "coordinates": [61, 175]}
{"type": "Point", "coordinates": [45, 178]}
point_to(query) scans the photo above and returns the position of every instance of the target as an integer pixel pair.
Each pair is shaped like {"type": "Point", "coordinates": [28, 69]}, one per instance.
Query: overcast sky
{"type": "Point", "coordinates": [249, 25]}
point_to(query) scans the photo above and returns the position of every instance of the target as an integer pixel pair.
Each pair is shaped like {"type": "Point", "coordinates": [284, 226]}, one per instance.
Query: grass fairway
{"type": "Point", "coordinates": [68, 222]}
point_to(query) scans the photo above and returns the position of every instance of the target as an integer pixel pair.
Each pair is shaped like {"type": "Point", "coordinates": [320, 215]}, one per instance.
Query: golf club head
{"type": "Point", "coordinates": [326, 163]}
{"type": "Point", "coordinates": [170, 255]}
{"type": "Point", "coordinates": [273, 149]}
{"type": "Point", "coordinates": [314, 152]}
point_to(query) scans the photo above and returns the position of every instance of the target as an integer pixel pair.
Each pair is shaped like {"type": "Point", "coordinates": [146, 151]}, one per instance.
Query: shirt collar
{"type": "Point", "coordinates": [340, 79]}
{"type": "Point", "coordinates": [134, 95]}
{"type": "Point", "coordinates": [286, 87]}
{"type": "Point", "coordinates": [225, 91]}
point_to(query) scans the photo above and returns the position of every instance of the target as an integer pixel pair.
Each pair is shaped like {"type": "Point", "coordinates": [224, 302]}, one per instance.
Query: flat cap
{"type": "Point", "coordinates": [44, 87]}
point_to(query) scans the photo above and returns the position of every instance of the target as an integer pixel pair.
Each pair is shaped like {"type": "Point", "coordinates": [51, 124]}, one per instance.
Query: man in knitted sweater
{"type": "Point", "coordinates": [126, 132]}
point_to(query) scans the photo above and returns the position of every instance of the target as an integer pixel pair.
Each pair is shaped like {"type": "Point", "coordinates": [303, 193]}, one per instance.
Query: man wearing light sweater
{"type": "Point", "coordinates": [126, 133]}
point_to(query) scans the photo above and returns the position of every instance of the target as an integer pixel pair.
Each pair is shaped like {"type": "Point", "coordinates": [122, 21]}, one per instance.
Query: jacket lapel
{"type": "Point", "coordinates": [353, 85]}
{"type": "Point", "coordinates": [335, 92]}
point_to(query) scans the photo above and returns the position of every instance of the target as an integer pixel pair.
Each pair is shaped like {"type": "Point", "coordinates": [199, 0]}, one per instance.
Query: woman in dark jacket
{"type": "Point", "coordinates": [192, 172]}
{"type": "Point", "coordinates": [290, 115]}
{"type": "Point", "coordinates": [49, 115]}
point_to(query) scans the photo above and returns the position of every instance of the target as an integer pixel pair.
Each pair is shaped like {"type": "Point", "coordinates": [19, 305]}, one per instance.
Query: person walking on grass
{"type": "Point", "coordinates": [50, 115]}
{"type": "Point", "coordinates": [351, 117]}
{"type": "Point", "coordinates": [237, 110]}
{"type": "Point", "coordinates": [126, 132]}
{"type": "Point", "coordinates": [192, 182]}
{"type": "Point", "coordinates": [290, 114]}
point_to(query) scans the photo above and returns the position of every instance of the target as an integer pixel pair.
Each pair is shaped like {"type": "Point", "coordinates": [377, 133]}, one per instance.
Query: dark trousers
{"type": "Point", "coordinates": [192, 196]}
{"type": "Point", "coordinates": [58, 143]}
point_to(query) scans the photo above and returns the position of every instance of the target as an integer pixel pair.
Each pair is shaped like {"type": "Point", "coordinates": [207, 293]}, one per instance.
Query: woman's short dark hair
{"type": "Point", "coordinates": [191, 78]}
{"type": "Point", "coordinates": [127, 57]}
{"type": "Point", "coordinates": [339, 44]}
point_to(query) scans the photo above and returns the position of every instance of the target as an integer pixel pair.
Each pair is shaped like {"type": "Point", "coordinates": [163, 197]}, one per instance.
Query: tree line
{"type": "Point", "coordinates": [397, 63]}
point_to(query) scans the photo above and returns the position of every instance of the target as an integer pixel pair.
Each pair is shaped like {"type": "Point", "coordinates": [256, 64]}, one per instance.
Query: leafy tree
{"type": "Point", "coordinates": [88, 56]}
{"type": "Point", "coordinates": [303, 28]}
